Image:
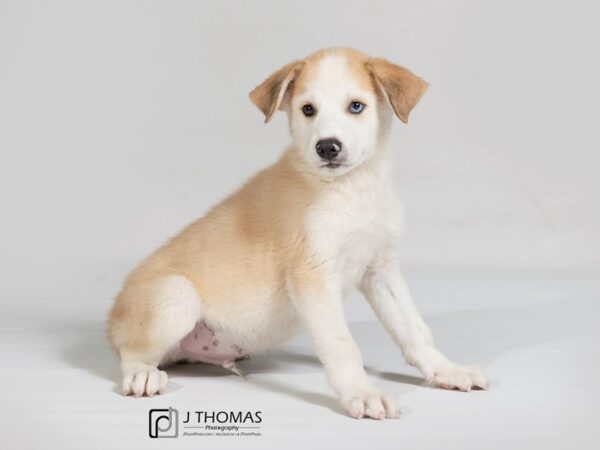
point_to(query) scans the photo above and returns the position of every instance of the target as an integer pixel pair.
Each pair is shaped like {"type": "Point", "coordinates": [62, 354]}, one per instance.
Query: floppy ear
{"type": "Point", "coordinates": [268, 95]}
{"type": "Point", "coordinates": [402, 87]}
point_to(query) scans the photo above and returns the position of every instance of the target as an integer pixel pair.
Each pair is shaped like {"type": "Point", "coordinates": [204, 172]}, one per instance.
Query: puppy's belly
{"type": "Point", "coordinates": [231, 329]}
{"type": "Point", "coordinates": [203, 344]}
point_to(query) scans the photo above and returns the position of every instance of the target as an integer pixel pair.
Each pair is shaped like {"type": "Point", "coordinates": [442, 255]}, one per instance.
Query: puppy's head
{"type": "Point", "coordinates": [339, 104]}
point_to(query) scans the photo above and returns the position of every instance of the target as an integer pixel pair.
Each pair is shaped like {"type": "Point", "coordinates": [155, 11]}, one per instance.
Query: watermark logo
{"type": "Point", "coordinates": [164, 423]}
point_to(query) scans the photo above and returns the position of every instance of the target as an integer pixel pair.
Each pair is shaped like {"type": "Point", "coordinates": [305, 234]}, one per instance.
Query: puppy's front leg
{"type": "Point", "coordinates": [323, 315]}
{"type": "Point", "coordinates": [387, 292]}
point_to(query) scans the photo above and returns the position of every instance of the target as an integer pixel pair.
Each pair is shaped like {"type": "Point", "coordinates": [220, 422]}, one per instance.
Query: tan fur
{"type": "Point", "coordinates": [244, 244]}
{"type": "Point", "coordinates": [355, 60]}
{"type": "Point", "coordinates": [403, 88]}
{"type": "Point", "coordinates": [253, 241]}
{"type": "Point", "coordinates": [286, 249]}
{"type": "Point", "coordinates": [269, 95]}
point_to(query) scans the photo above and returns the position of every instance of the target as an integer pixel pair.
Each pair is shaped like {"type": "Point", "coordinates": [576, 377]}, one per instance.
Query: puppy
{"type": "Point", "coordinates": [284, 251]}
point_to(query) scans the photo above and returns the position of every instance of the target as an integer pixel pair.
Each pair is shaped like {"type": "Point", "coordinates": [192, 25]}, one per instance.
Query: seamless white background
{"type": "Point", "coordinates": [122, 121]}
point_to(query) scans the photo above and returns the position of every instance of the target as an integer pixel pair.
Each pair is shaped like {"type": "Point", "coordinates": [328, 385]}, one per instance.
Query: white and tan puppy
{"type": "Point", "coordinates": [284, 251]}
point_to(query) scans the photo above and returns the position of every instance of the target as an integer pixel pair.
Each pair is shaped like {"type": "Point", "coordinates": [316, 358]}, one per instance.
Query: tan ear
{"type": "Point", "coordinates": [268, 95]}
{"type": "Point", "coordinates": [402, 87]}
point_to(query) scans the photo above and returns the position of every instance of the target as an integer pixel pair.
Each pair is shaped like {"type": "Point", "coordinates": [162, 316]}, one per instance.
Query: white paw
{"type": "Point", "coordinates": [144, 380]}
{"type": "Point", "coordinates": [370, 402]}
{"type": "Point", "coordinates": [449, 375]}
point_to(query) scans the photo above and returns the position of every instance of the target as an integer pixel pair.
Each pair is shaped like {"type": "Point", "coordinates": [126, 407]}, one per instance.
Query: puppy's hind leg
{"type": "Point", "coordinates": [147, 322]}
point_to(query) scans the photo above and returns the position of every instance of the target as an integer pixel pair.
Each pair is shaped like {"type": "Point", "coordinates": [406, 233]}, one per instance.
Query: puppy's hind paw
{"type": "Point", "coordinates": [144, 380]}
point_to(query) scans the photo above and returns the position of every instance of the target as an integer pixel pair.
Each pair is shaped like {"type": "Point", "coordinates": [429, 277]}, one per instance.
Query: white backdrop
{"type": "Point", "coordinates": [122, 121]}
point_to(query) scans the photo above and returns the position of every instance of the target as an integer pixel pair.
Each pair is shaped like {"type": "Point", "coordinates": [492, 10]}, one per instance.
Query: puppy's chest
{"type": "Point", "coordinates": [351, 230]}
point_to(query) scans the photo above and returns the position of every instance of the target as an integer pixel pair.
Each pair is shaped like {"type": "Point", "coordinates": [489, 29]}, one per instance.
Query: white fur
{"type": "Point", "coordinates": [330, 92]}
{"type": "Point", "coordinates": [352, 228]}
{"type": "Point", "coordinates": [360, 240]}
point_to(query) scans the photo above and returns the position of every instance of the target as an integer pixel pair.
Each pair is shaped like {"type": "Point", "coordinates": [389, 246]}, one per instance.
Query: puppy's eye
{"type": "Point", "coordinates": [308, 110]}
{"type": "Point", "coordinates": [356, 107]}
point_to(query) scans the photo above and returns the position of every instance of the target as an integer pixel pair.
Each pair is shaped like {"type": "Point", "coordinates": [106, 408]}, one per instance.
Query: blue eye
{"type": "Point", "coordinates": [356, 107]}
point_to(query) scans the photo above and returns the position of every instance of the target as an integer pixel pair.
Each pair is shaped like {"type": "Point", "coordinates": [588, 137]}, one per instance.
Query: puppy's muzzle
{"type": "Point", "coordinates": [328, 149]}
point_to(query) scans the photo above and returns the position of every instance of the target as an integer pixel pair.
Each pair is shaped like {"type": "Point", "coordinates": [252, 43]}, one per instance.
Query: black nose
{"type": "Point", "coordinates": [329, 148]}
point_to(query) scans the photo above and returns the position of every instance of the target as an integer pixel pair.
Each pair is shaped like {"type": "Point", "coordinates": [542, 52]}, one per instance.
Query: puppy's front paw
{"type": "Point", "coordinates": [449, 375]}
{"type": "Point", "coordinates": [144, 380]}
{"type": "Point", "coordinates": [369, 402]}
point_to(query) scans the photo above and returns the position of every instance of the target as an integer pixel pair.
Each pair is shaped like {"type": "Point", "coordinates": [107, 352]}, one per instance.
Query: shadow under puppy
{"type": "Point", "coordinates": [285, 250]}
